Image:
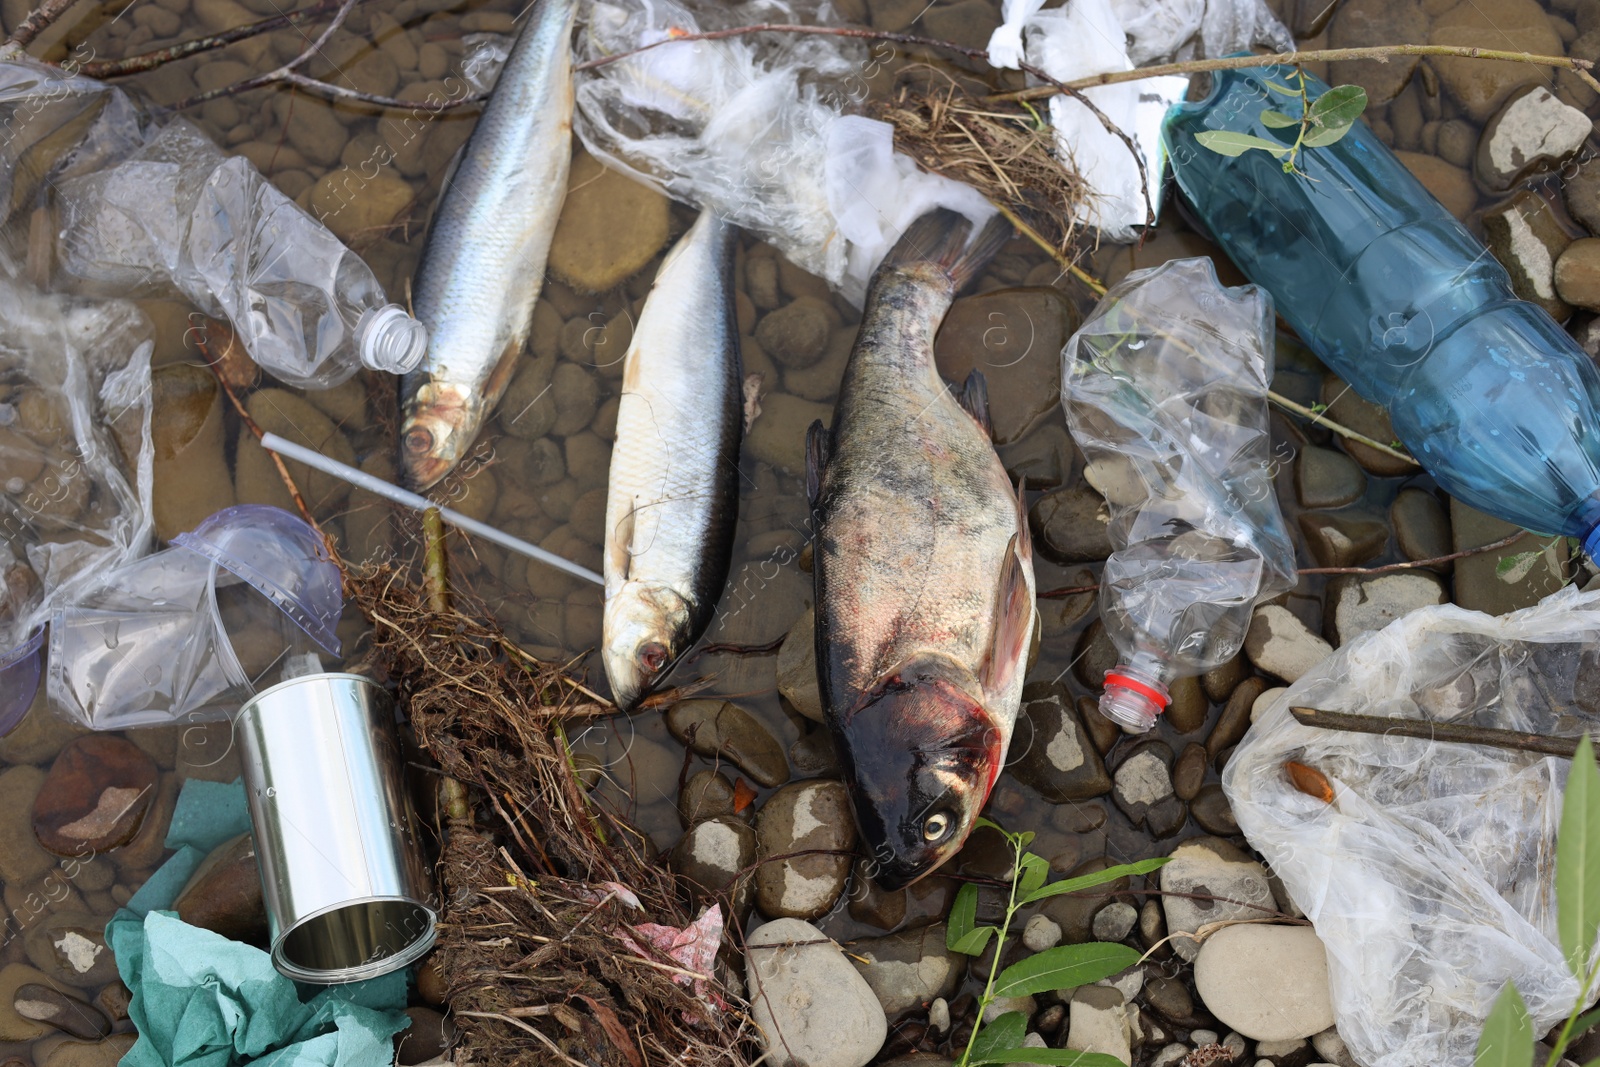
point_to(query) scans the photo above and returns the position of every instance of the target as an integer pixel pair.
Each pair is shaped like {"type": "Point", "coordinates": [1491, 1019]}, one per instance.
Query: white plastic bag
{"type": "Point", "coordinates": [1430, 876]}
{"type": "Point", "coordinates": [755, 129]}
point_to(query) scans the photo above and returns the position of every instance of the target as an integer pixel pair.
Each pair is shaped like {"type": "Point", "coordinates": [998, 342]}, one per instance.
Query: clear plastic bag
{"type": "Point", "coordinates": [754, 128]}
{"type": "Point", "coordinates": [1430, 877]}
{"type": "Point", "coordinates": [1165, 392]}
{"type": "Point", "coordinates": [75, 462]}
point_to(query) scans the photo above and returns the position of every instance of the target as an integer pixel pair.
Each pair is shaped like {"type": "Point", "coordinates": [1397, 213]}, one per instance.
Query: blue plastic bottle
{"type": "Point", "coordinates": [1489, 394]}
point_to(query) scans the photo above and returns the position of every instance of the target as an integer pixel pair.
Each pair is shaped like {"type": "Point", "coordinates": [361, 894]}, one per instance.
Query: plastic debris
{"type": "Point", "coordinates": [1165, 391]}
{"type": "Point", "coordinates": [753, 128]}
{"type": "Point", "coordinates": [189, 633]}
{"type": "Point", "coordinates": [1430, 874]}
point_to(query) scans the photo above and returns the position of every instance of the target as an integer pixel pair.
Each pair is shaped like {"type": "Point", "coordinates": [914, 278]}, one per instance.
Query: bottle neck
{"type": "Point", "coordinates": [388, 339]}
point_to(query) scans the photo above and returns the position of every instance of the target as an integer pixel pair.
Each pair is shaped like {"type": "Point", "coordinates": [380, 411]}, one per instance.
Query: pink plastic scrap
{"type": "Point", "coordinates": [694, 948]}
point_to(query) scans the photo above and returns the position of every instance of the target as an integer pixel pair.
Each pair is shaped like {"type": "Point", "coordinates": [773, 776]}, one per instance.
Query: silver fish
{"type": "Point", "coordinates": [673, 497]}
{"type": "Point", "coordinates": [481, 269]}
{"type": "Point", "coordinates": [924, 569]}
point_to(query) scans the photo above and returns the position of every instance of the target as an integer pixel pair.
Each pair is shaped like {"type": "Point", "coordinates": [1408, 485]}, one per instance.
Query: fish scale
{"type": "Point", "coordinates": [483, 265]}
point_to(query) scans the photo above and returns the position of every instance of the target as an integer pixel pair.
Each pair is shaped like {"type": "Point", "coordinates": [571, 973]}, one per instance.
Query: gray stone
{"type": "Point", "coordinates": [1354, 604]}
{"type": "Point", "coordinates": [1187, 712]}
{"type": "Point", "coordinates": [1477, 585]}
{"type": "Point", "coordinates": [1331, 1047]}
{"type": "Point", "coordinates": [1291, 1052]}
{"type": "Point", "coordinates": [1189, 773]}
{"type": "Point", "coordinates": [1235, 717]}
{"type": "Point", "coordinates": [70, 947]}
{"type": "Point", "coordinates": [1040, 934]}
{"type": "Point", "coordinates": [1210, 808]}
{"type": "Point", "coordinates": [1070, 526]}
{"type": "Point", "coordinates": [1094, 656]}
{"type": "Point", "coordinates": [802, 816]}
{"type": "Point", "coordinates": [1115, 921]}
{"type": "Point", "coordinates": [1525, 237]}
{"type": "Point", "coordinates": [1458, 142]}
{"type": "Point", "coordinates": [1075, 912]}
{"type": "Point", "coordinates": [1360, 23]}
{"type": "Point", "coordinates": [1532, 131]}
{"type": "Point", "coordinates": [908, 969]}
{"type": "Point", "coordinates": [1143, 780]}
{"type": "Point", "coordinates": [813, 755]}
{"type": "Point", "coordinates": [1052, 751]}
{"type": "Point", "coordinates": [1582, 194]}
{"type": "Point", "coordinates": [1421, 525]}
{"type": "Point", "coordinates": [1219, 682]}
{"type": "Point", "coordinates": [1324, 478]}
{"type": "Point", "coordinates": [1171, 1000]}
{"type": "Point", "coordinates": [797, 668]}
{"type": "Point", "coordinates": [1001, 1005]}
{"type": "Point", "coordinates": [713, 852]}
{"type": "Point", "coordinates": [1270, 983]}
{"type": "Point", "coordinates": [1280, 644]}
{"type": "Point", "coordinates": [811, 1005]}
{"type": "Point", "coordinates": [1014, 338]}
{"type": "Point", "coordinates": [1170, 1055]}
{"type": "Point", "coordinates": [1343, 540]}
{"type": "Point", "coordinates": [67, 1014]}
{"type": "Point", "coordinates": [1098, 1022]}
{"type": "Point", "coordinates": [796, 335]}
{"type": "Point", "coordinates": [722, 728]}
{"type": "Point", "coordinates": [1211, 867]}
{"type": "Point", "coordinates": [871, 904]}
{"type": "Point", "coordinates": [1350, 410]}
{"type": "Point", "coordinates": [706, 795]}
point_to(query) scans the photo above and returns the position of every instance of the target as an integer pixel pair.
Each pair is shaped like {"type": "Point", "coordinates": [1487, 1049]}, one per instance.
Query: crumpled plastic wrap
{"type": "Point", "coordinates": [1430, 877]}
{"type": "Point", "coordinates": [75, 459]}
{"type": "Point", "coordinates": [754, 128]}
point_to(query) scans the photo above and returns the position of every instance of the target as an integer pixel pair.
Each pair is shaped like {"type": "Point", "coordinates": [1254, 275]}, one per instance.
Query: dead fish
{"type": "Point", "coordinates": [672, 500]}
{"type": "Point", "coordinates": [923, 569]}
{"type": "Point", "coordinates": [479, 276]}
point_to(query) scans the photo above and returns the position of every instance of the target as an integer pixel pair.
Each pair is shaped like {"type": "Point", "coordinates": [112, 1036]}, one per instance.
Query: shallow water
{"type": "Point", "coordinates": [549, 486]}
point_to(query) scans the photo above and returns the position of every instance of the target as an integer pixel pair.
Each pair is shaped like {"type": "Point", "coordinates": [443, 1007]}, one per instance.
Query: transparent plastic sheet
{"type": "Point", "coordinates": [148, 205]}
{"type": "Point", "coordinates": [187, 634]}
{"type": "Point", "coordinates": [1165, 392]}
{"type": "Point", "coordinates": [754, 128]}
{"type": "Point", "coordinates": [1087, 37]}
{"type": "Point", "coordinates": [75, 462]}
{"type": "Point", "coordinates": [1430, 876]}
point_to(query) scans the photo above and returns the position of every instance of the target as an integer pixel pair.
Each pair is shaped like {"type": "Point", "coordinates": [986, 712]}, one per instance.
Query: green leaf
{"type": "Point", "coordinates": [1585, 1022]}
{"type": "Point", "coordinates": [1275, 87]}
{"type": "Point", "coordinates": [1339, 106]}
{"type": "Point", "coordinates": [1006, 1032]}
{"type": "Point", "coordinates": [1578, 861]}
{"type": "Point", "coordinates": [1056, 1057]}
{"type": "Point", "coordinates": [1064, 968]}
{"type": "Point", "coordinates": [981, 821]}
{"type": "Point", "coordinates": [1089, 881]}
{"type": "Point", "coordinates": [1322, 136]}
{"type": "Point", "coordinates": [1022, 840]}
{"type": "Point", "coordinates": [1515, 567]}
{"type": "Point", "coordinates": [1228, 143]}
{"type": "Point", "coordinates": [1277, 120]}
{"type": "Point", "coordinates": [1035, 869]}
{"type": "Point", "coordinates": [1507, 1038]}
{"type": "Point", "coordinates": [963, 916]}
{"type": "Point", "coordinates": [974, 941]}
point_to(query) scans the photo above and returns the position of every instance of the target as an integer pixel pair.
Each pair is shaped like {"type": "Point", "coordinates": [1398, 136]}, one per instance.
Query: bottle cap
{"type": "Point", "coordinates": [391, 340]}
{"type": "Point", "coordinates": [1132, 701]}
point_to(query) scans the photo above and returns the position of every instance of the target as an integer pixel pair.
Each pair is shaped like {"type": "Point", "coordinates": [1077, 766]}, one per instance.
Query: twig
{"type": "Point", "coordinates": [1343, 431]}
{"type": "Point", "coordinates": [1054, 253]}
{"type": "Point", "coordinates": [1453, 733]}
{"type": "Point", "coordinates": [119, 68]}
{"type": "Point", "coordinates": [740, 650]}
{"type": "Point", "coordinates": [435, 562]}
{"type": "Point", "coordinates": [524, 1026]}
{"type": "Point", "coordinates": [1509, 539]}
{"type": "Point", "coordinates": [39, 20]}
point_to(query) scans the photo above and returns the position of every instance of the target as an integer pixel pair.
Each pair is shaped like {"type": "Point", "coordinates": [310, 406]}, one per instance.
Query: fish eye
{"type": "Point", "coordinates": [936, 828]}
{"type": "Point", "coordinates": [653, 657]}
{"type": "Point", "coordinates": [419, 440]}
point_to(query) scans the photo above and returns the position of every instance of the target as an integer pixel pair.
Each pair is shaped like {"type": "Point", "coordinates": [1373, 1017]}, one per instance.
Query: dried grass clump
{"type": "Point", "coordinates": [530, 939]}
{"type": "Point", "coordinates": [1004, 150]}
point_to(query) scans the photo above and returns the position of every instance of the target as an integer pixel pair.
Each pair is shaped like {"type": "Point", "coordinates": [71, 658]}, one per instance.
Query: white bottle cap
{"type": "Point", "coordinates": [391, 340]}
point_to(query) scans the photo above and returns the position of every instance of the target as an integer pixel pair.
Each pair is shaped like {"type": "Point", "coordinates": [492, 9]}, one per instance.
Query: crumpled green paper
{"type": "Point", "coordinates": [201, 1000]}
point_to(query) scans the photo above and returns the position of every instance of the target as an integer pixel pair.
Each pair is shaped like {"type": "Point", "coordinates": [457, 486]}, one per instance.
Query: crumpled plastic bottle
{"type": "Point", "coordinates": [149, 205]}
{"type": "Point", "coordinates": [1165, 392]}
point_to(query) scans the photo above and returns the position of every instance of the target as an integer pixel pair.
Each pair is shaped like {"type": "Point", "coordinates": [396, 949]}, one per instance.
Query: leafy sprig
{"type": "Point", "coordinates": [1320, 123]}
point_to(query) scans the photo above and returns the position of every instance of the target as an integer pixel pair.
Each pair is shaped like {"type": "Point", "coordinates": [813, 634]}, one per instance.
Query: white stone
{"type": "Point", "coordinates": [1270, 983]}
{"type": "Point", "coordinates": [939, 1015]}
{"type": "Point", "coordinates": [1280, 1049]}
{"type": "Point", "coordinates": [1235, 1042]}
{"type": "Point", "coordinates": [813, 1009]}
{"type": "Point", "coordinates": [1264, 701]}
{"type": "Point", "coordinates": [1374, 603]}
{"type": "Point", "coordinates": [1130, 983]}
{"type": "Point", "coordinates": [1211, 866]}
{"type": "Point", "coordinates": [1115, 921]}
{"type": "Point", "coordinates": [1331, 1047]}
{"type": "Point", "coordinates": [1096, 1022]}
{"type": "Point", "coordinates": [1143, 779]}
{"type": "Point", "coordinates": [1000, 1005]}
{"type": "Point", "coordinates": [1170, 1055]}
{"type": "Point", "coordinates": [1280, 644]}
{"type": "Point", "coordinates": [1534, 126]}
{"type": "Point", "coordinates": [1041, 934]}
{"type": "Point", "coordinates": [1202, 1037]}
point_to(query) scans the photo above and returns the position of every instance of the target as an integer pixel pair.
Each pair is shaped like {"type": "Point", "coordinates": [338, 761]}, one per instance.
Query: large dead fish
{"type": "Point", "coordinates": [924, 569]}
{"type": "Point", "coordinates": [482, 266]}
{"type": "Point", "coordinates": [673, 497]}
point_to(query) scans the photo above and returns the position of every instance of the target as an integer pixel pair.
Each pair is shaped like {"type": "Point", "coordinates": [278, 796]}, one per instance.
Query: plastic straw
{"type": "Point", "coordinates": [273, 443]}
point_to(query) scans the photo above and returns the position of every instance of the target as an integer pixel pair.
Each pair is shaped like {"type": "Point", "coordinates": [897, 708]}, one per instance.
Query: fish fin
{"type": "Point", "coordinates": [619, 551]}
{"type": "Point", "coordinates": [974, 400]}
{"type": "Point", "coordinates": [940, 238]}
{"type": "Point", "coordinates": [816, 459]}
{"type": "Point", "coordinates": [1014, 624]}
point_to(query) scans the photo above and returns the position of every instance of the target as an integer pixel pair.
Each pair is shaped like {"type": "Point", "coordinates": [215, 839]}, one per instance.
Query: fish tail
{"type": "Point", "coordinates": [940, 238]}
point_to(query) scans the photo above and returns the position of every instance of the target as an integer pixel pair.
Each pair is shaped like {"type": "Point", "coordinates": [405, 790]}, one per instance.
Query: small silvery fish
{"type": "Point", "coordinates": [672, 501]}
{"type": "Point", "coordinates": [924, 568]}
{"type": "Point", "coordinates": [482, 266]}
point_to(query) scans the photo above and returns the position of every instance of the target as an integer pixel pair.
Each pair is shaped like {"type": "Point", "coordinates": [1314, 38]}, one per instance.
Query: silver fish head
{"type": "Point", "coordinates": [920, 755]}
{"type": "Point", "coordinates": [645, 629]}
{"type": "Point", "coordinates": [441, 422]}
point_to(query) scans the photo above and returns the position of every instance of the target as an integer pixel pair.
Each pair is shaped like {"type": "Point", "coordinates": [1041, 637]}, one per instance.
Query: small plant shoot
{"type": "Point", "coordinates": [1320, 122]}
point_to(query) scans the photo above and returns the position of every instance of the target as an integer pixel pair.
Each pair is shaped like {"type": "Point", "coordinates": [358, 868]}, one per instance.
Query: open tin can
{"type": "Point", "coordinates": [348, 894]}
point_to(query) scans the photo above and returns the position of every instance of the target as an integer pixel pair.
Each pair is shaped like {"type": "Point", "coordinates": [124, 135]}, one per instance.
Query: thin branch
{"type": "Point", "coordinates": [1321, 419]}
{"type": "Point", "coordinates": [1067, 265]}
{"type": "Point", "coordinates": [1504, 542]}
{"type": "Point", "coordinates": [435, 562]}
{"type": "Point", "coordinates": [1452, 733]}
{"type": "Point", "coordinates": [39, 20]}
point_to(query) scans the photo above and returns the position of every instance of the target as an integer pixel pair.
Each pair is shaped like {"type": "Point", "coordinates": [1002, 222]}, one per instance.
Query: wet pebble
{"type": "Point", "coordinates": [1211, 810]}
{"type": "Point", "coordinates": [1349, 409]}
{"type": "Point", "coordinates": [1235, 717]}
{"type": "Point", "coordinates": [1211, 867]}
{"type": "Point", "coordinates": [1171, 1000]}
{"type": "Point", "coordinates": [1189, 773]}
{"type": "Point", "coordinates": [431, 985]}
{"type": "Point", "coordinates": [1331, 1047]}
{"type": "Point", "coordinates": [1292, 1052]}
{"type": "Point", "coordinates": [610, 227]}
{"type": "Point", "coordinates": [1014, 338]}
{"type": "Point", "coordinates": [1582, 195]}
{"type": "Point", "coordinates": [95, 796]}
{"type": "Point", "coordinates": [871, 904]}
{"type": "Point", "coordinates": [1478, 586]}
{"type": "Point", "coordinates": [1094, 656]}
{"type": "Point", "coordinates": [1075, 912]}
{"type": "Point", "coordinates": [67, 1052]}
{"type": "Point", "coordinates": [1532, 131]}
{"type": "Point", "coordinates": [908, 969]}
{"type": "Point", "coordinates": [67, 1014]}
{"type": "Point", "coordinates": [761, 280]}
{"type": "Point", "coordinates": [22, 858]}
{"type": "Point", "coordinates": [1070, 526]}
{"type": "Point", "coordinates": [778, 437]}
{"type": "Point", "coordinates": [1115, 921]}
{"type": "Point", "coordinates": [1451, 185]}
{"type": "Point", "coordinates": [292, 417]}
{"type": "Point", "coordinates": [1525, 237]}
{"type": "Point", "coordinates": [1355, 604]}
{"type": "Point", "coordinates": [1102, 730]}
{"type": "Point", "coordinates": [1041, 933]}
{"type": "Point", "coordinates": [796, 335]}
{"type": "Point", "coordinates": [713, 852]}
{"type": "Point", "coordinates": [1143, 789]}
{"type": "Point", "coordinates": [813, 755]}
{"type": "Point", "coordinates": [577, 396]}
{"type": "Point", "coordinates": [1270, 983]}
{"type": "Point", "coordinates": [528, 408]}
{"type": "Point", "coordinates": [1052, 751]}
{"type": "Point", "coordinates": [1324, 478]}
{"type": "Point", "coordinates": [1421, 525]}
{"type": "Point", "coordinates": [1343, 540]}
{"type": "Point", "coordinates": [1187, 712]}
{"type": "Point", "coordinates": [706, 795]}
{"type": "Point", "coordinates": [1359, 23]}
{"type": "Point", "coordinates": [224, 893]}
{"type": "Point", "coordinates": [1280, 644]}
{"type": "Point", "coordinates": [71, 948]}
{"type": "Point", "coordinates": [1513, 25]}
{"type": "Point", "coordinates": [1097, 1021]}
{"type": "Point", "coordinates": [797, 668]}
{"type": "Point", "coordinates": [800, 817]}
{"type": "Point", "coordinates": [354, 206]}
{"type": "Point", "coordinates": [113, 1000]}
{"type": "Point", "coordinates": [427, 1036]}
{"type": "Point", "coordinates": [811, 1006]}
{"type": "Point", "coordinates": [722, 728]}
